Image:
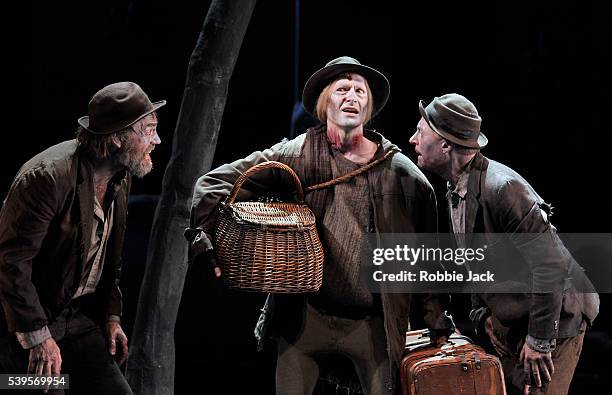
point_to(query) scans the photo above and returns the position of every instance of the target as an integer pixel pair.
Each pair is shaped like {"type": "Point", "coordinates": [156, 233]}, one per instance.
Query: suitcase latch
{"type": "Point", "coordinates": [464, 364]}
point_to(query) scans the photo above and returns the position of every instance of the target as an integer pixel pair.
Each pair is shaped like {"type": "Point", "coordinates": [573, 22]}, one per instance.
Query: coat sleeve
{"type": "Point", "coordinates": [216, 185]}
{"type": "Point", "coordinates": [524, 217]}
{"type": "Point", "coordinates": [114, 309]}
{"type": "Point", "coordinates": [435, 306]}
{"type": "Point", "coordinates": [24, 221]}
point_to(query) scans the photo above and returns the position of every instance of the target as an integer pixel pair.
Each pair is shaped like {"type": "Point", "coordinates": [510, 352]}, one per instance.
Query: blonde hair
{"type": "Point", "coordinates": [320, 110]}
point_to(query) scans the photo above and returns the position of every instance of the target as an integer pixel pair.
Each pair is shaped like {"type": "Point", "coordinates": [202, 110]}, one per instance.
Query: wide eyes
{"type": "Point", "coordinates": [344, 89]}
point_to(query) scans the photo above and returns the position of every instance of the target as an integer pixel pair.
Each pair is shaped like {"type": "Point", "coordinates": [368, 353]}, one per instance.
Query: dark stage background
{"type": "Point", "coordinates": [537, 73]}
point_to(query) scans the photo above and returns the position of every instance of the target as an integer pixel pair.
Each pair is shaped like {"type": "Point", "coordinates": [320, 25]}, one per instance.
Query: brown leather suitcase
{"type": "Point", "coordinates": [458, 367]}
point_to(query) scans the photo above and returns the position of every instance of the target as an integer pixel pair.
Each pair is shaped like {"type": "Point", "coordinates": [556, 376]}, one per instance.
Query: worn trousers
{"type": "Point", "coordinates": [85, 358]}
{"type": "Point", "coordinates": [363, 341]}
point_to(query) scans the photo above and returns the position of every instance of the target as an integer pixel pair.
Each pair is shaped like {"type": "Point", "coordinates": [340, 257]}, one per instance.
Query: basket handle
{"type": "Point", "coordinates": [263, 166]}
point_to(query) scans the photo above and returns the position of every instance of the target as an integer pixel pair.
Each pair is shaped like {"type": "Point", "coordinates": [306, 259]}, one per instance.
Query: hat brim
{"type": "Point", "coordinates": [84, 121]}
{"type": "Point", "coordinates": [378, 83]}
{"type": "Point", "coordinates": [481, 142]}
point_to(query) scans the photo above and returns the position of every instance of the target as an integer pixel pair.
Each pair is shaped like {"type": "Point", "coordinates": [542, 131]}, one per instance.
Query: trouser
{"type": "Point", "coordinates": [565, 358]}
{"type": "Point", "coordinates": [85, 357]}
{"type": "Point", "coordinates": [363, 341]}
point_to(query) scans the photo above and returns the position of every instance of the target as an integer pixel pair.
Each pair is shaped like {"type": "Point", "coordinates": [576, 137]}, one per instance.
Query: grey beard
{"type": "Point", "coordinates": [136, 167]}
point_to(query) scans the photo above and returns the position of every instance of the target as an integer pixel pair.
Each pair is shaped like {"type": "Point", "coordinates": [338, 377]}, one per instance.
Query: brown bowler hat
{"type": "Point", "coordinates": [117, 106]}
{"type": "Point", "coordinates": [456, 119]}
{"type": "Point", "coordinates": [378, 83]}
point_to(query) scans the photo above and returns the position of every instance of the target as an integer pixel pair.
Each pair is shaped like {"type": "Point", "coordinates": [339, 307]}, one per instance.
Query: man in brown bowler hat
{"type": "Point", "coordinates": [61, 234]}
{"type": "Point", "coordinates": [539, 335]}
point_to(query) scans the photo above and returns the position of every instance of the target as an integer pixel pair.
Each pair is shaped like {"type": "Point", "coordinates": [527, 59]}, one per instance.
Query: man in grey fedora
{"type": "Point", "coordinates": [61, 234]}
{"type": "Point", "coordinates": [345, 316]}
{"type": "Point", "coordinates": [537, 335]}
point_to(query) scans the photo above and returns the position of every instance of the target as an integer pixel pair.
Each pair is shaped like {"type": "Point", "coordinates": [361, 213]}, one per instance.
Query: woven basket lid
{"type": "Point", "coordinates": [272, 214]}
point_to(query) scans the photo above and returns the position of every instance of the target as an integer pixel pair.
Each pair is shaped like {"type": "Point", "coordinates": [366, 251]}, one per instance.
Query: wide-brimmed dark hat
{"type": "Point", "coordinates": [117, 106]}
{"type": "Point", "coordinates": [456, 119]}
{"type": "Point", "coordinates": [378, 83]}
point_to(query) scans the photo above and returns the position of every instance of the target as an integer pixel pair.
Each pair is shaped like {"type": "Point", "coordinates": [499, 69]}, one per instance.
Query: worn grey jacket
{"type": "Point", "coordinates": [500, 201]}
{"type": "Point", "coordinates": [403, 202]}
{"type": "Point", "coordinates": [48, 209]}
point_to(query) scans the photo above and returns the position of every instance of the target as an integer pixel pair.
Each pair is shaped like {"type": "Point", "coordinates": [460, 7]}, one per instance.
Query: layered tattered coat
{"type": "Point", "coordinates": [45, 233]}
{"type": "Point", "coordinates": [402, 199]}
{"type": "Point", "coordinates": [500, 201]}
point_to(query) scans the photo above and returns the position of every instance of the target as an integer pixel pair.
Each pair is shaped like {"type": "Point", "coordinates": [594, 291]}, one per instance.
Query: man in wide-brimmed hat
{"type": "Point", "coordinates": [538, 336]}
{"type": "Point", "coordinates": [345, 316]}
{"type": "Point", "coordinates": [61, 234]}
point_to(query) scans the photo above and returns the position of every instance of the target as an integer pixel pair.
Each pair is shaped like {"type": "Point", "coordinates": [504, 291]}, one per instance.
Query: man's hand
{"type": "Point", "coordinates": [499, 347]}
{"type": "Point", "coordinates": [208, 259]}
{"type": "Point", "coordinates": [442, 340]}
{"type": "Point", "coordinates": [46, 359]}
{"type": "Point", "coordinates": [115, 333]}
{"type": "Point", "coordinates": [536, 364]}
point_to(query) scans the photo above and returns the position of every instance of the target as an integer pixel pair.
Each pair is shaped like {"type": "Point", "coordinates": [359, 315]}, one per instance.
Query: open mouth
{"type": "Point", "coordinates": [350, 110]}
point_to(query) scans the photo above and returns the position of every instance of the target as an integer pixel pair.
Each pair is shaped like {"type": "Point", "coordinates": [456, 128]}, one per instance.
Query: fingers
{"type": "Point", "coordinates": [31, 362]}
{"type": "Point", "coordinates": [124, 348]}
{"type": "Point", "coordinates": [45, 359]}
{"type": "Point", "coordinates": [217, 271]}
{"type": "Point", "coordinates": [124, 343]}
{"type": "Point", "coordinates": [47, 372]}
{"type": "Point", "coordinates": [115, 334]}
{"type": "Point", "coordinates": [526, 389]}
{"type": "Point", "coordinates": [550, 364]}
{"type": "Point", "coordinates": [500, 347]}
{"type": "Point", "coordinates": [527, 372]}
{"type": "Point", "coordinates": [536, 373]}
{"type": "Point", "coordinates": [40, 364]}
{"type": "Point", "coordinates": [500, 351]}
{"type": "Point", "coordinates": [57, 367]}
{"type": "Point", "coordinates": [541, 365]}
{"type": "Point", "coordinates": [112, 345]}
{"type": "Point", "coordinates": [47, 368]}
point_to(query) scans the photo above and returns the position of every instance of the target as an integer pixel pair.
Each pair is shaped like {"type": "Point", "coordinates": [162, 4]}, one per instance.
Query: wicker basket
{"type": "Point", "coordinates": [269, 247]}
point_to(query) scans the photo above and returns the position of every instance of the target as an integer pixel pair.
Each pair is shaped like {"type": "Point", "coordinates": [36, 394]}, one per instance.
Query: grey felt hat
{"type": "Point", "coordinates": [456, 119]}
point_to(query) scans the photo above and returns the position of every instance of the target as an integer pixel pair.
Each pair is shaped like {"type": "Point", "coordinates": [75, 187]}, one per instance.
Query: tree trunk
{"type": "Point", "coordinates": [151, 362]}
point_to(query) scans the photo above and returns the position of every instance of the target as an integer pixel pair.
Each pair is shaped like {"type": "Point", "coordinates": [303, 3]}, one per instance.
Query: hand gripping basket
{"type": "Point", "coordinates": [269, 247]}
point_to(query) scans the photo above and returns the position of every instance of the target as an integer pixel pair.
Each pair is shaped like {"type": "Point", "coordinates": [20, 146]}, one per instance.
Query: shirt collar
{"type": "Point", "coordinates": [460, 188]}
